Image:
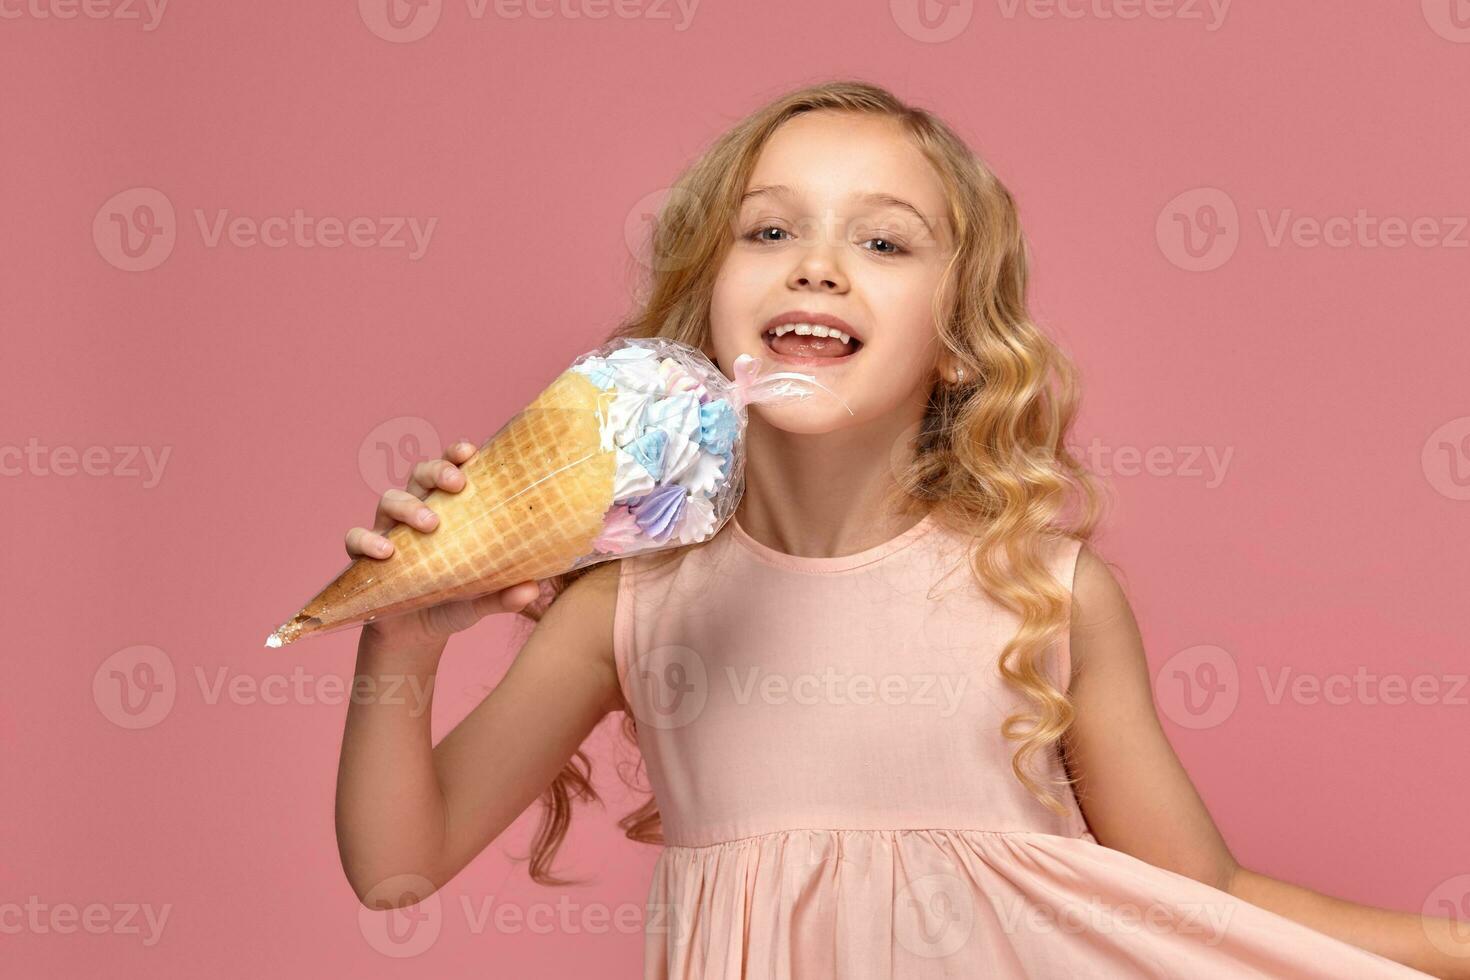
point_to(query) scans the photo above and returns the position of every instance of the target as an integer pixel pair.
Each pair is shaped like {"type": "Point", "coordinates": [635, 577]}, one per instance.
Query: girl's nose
{"type": "Point", "coordinates": [826, 284]}
{"type": "Point", "coordinates": [816, 271]}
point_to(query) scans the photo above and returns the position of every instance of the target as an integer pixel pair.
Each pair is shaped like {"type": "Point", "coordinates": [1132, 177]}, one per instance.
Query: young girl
{"type": "Point", "coordinates": [896, 714]}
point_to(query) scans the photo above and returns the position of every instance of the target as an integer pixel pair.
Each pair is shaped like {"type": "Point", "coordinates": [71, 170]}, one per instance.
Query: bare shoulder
{"type": "Point", "coordinates": [1102, 617]}
{"type": "Point", "coordinates": [1097, 593]}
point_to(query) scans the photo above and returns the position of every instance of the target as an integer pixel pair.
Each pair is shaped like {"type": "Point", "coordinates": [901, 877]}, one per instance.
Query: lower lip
{"type": "Point", "coordinates": [795, 361]}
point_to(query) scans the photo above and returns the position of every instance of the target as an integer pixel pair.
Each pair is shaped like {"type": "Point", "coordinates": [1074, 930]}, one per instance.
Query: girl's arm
{"type": "Point", "coordinates": [1138, 799]}
{"type": "Point", "coordinates": [407, 807]}
{"type": "Point", "coordinates": [1435, 945]}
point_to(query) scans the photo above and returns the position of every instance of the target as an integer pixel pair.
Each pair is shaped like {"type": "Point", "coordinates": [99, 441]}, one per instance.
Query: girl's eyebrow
{"type": "Point", "coordinates": [872, 197]}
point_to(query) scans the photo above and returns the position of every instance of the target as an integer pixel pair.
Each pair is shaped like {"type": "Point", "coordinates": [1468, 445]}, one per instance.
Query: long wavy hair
{"type": "Point", "coordinates": [989, 456]}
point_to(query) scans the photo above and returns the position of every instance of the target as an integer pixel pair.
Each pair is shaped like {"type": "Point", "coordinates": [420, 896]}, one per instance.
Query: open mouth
{"type": "Point", "coordinates": [807, 344]}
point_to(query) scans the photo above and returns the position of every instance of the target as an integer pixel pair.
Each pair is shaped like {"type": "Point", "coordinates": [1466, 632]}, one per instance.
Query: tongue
{"type": "Point", "coordinates": [808, 345]}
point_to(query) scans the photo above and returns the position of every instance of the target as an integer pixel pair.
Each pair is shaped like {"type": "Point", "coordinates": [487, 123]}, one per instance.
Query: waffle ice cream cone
{"type": "Point", "coordinates": [533, 502]}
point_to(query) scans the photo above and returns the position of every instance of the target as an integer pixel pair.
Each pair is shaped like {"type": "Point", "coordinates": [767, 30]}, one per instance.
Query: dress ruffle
{"type": "Point", "coordinates": [810, 904]}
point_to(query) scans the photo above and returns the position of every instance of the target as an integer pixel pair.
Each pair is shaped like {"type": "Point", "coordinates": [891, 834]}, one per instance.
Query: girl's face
{"type": "Point", "coordinates": [815, 235]}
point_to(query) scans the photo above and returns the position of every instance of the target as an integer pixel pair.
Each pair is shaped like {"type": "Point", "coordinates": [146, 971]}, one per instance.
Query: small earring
{"type": "Point", "coordinates": [959, 375]}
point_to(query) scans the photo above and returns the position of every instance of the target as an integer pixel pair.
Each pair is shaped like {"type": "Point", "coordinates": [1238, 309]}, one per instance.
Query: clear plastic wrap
{"type": "Point", "coordinates": [638, 446]}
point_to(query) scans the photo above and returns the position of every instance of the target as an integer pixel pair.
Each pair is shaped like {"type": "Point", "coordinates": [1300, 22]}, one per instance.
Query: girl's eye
{"type": "Point", "coordinates": [893, 248]}
{"type": "Point", "coordinates": [756, 235]}
{"type": "Point", "coordinates": [897, 248]}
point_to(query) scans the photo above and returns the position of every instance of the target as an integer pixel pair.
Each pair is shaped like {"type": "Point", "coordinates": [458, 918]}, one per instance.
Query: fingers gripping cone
{"type": "Point", "coordinates": [533, 502]}
{"type": "Point", "coordinates": [636, 447]}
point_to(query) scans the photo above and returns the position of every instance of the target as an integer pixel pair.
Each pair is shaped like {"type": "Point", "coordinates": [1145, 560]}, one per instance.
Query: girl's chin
{"type": "Point", "coordinates": [817, 414]}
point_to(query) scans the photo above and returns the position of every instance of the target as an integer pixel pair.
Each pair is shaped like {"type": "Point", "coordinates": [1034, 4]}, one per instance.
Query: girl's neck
{"type": "Point", "coordinates": [828, 494]}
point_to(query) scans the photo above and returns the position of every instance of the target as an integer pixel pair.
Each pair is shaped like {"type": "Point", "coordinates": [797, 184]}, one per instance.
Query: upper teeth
{"type": "Point", "coordinates": [815, 329]}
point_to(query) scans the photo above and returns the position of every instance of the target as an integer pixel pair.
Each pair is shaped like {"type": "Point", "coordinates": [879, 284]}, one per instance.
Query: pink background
{"type": "Point", "coordinates": [1334, 376]}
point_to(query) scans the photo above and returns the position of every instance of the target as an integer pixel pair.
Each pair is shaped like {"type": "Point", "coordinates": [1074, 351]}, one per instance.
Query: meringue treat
{"type": "Point", "coordinates": [635, 447]}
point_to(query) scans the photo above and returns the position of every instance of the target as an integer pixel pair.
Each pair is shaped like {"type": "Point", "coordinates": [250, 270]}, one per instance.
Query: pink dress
{"type": "Point", "coordinates": [822, 736]}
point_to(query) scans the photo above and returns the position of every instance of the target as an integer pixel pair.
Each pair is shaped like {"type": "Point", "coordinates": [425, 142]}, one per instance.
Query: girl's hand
{"type": "Point", "coordinates": [434, 624]}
